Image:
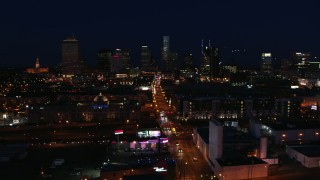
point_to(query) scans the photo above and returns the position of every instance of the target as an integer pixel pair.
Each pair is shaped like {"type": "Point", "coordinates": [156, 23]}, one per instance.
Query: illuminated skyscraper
{"type": "Point", "coordinates": [145, 57]}
{"type": "Point", "coordinates": [301, 58]}
{"type": "Point", "coordinates": [166, 53]}
{"type": "Point", "coordinates": [114, 60]}
{"type": "Point", "coordinates": [266, 62]}
{"type": "Point", "coordinates": [120, 60]}
{"type": "Point", "coordinates": [210, 62]}
{"type": "Point", "coordinates": [70, 57]}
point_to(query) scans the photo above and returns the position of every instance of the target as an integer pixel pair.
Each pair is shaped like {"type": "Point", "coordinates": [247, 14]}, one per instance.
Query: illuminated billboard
{"type": "Point", "coordinates": [148, 133]}
{"type": "Point", "coordinates": [117, 132]}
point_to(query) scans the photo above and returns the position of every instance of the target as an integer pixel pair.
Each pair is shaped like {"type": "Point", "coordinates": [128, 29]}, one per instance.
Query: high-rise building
{"type": "Point", "coordinates": [188, 61]}
{"type": "Point", "coordinates": [146, 61]}
{"type": "Point", "coordinates": [266, 62]}
{"type": "Point", "coordinates": [173, 61]}
{"type": "Point", "coordinates": [70, 57]}
{"type": "Point", "coordinates": [104, 57]}
{"type": "Point", "coordinates": [114, 60]}
{"type": "Point", "coordinates": [166, 53]}
{"type": "Point", "coordinates": [210, 62]}
{"type": "Point", "coordinates": [301, 59]}
{"type": "Point", "coordinates": [120, 60]}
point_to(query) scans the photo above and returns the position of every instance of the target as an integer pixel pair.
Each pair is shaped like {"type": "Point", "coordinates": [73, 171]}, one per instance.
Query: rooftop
{"type": "Point", "coordinates": [308, 150]}
{"type": "Point", "coordinates": [217, 123]}
{"type": "Point", "coordinates": [294, 126]}
{"type": "Point", "coordinates": [204, 134]}
{"type": "Point", "coordinates": [230, 135]}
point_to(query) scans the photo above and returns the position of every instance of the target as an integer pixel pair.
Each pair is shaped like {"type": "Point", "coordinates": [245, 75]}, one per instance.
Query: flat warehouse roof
{"type": "Point", "coordinates": [309, 150]}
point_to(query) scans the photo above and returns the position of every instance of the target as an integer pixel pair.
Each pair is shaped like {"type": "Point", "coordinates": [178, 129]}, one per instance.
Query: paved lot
{"type": "Point", "coordinates": [86, 157]}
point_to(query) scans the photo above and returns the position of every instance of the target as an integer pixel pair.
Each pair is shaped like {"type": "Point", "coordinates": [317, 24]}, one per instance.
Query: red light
{"type": "Point", "coordinates": [116, 132]}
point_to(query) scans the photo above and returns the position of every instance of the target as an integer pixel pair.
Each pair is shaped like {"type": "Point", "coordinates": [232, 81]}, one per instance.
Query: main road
{"type": "Point", "coordinates": [190, 162]}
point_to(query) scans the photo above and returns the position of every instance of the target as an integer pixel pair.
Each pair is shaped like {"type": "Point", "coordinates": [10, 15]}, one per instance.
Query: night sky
{"type": "Point", "coordinates": [37, 27]}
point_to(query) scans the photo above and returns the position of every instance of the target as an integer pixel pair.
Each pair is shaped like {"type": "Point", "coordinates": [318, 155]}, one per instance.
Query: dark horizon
{"type": "Point", "coordinates": [37, 28]}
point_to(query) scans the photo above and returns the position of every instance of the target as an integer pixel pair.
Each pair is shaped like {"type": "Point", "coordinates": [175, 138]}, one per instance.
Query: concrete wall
{"type": "Point", "coordinates": [263, 147]}
{"type": "Point", "coordinates": [201, 145]}
{"type": "Point", "coordinates": [215, 140]}
{"type": "Point", "coordinates": [309, 162]}
{"type": "Point", "coordinates": [243, 172]}
{"type": "Point", "coordinates": [271, 160]}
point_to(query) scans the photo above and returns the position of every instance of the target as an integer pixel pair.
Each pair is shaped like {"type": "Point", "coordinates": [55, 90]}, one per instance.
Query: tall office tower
{"type": "Point", "coordinates": [126, 57]}
{"type": "Point", "coordinates": [146, 62]}
{"type": "Point", "coordinates": [104, 57]}
{"type": "Point", "coordinates": [188, 61]}
{"type": "Point", "coordinates": [120, 60]}
{"type": "Point", "coordinates": [285, 64]}
{"type": "Point", "coordinates": [70, 57]}
{"type": "Point", "coordinates": [266, 62]}
{"type": "Point", "coordinates": [166, 53]}
{"type": "Point", "coordinates": [210, 62]}
{"type": "Point", "coordinates": [300, 58]}
{"type": "Point", "coordinates": [202, 48]}
{"type": "Point", "coordinates": [173, 61]}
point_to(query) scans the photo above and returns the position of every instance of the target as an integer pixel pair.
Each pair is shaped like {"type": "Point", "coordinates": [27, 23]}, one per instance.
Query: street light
{"type": "Point", "coordinates": [4, 116]}
{"type": "Point", "coordinates": [185, 171]}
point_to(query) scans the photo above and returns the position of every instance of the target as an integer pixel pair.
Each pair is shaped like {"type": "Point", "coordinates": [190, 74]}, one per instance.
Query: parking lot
{"type": "Point", "coordinates": [79, 160]}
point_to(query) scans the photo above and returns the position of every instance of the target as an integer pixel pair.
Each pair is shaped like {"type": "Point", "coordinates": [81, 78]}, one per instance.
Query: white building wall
{"type": "Point", "coordinates": [215, 140]}
{"type": "Point", "coordinates": [309, 162]}
{"type": "Point", "coordinates": [263, 147]}
{"type": "Point", "coordinates": [201, 145]}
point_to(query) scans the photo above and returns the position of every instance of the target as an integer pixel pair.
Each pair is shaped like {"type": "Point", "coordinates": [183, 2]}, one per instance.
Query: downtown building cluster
{"type": "Point", "coordinates": [244, 109]}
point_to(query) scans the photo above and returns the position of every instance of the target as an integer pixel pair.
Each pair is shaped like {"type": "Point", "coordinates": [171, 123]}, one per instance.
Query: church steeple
{"type": "Point", "coordinates": [37, 63]}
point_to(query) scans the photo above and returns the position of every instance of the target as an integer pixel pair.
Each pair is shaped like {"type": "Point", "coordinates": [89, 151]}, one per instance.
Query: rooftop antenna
{"type": "Point", "coordinates": [202, 47]}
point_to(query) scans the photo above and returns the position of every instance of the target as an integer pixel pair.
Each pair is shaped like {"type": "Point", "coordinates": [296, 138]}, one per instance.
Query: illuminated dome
{"type": "Point", "coordinates": [100, 102]}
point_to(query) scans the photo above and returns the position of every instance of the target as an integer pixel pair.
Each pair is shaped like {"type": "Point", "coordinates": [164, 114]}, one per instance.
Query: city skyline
{"type": "Point", "coordinates": [35, 29]}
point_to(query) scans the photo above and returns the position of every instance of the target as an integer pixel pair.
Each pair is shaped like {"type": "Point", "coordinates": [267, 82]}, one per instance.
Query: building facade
{"type": "Point", "coordinates": [210, 62]}
{"type": "Point", "coordinates": [70, 57]}
{"type": "Point", "coordinates": [203, 108]}
{"type": "Point", "coordinates": [266, 62]}
{"type": "Point", "coordinates": [146, 60]}
{"type": "Point", "coordinates": [37, 69]}
{"type": "Point", "coordinates": [166, 53]}
{"type": "Point", "coordinates": [104, 57]}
